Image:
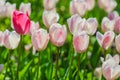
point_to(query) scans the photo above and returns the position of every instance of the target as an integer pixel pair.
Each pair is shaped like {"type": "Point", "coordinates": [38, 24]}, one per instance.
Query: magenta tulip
{"type": "Point", "coordinates": [21, 22]}
{"type": "Point", "coordinates": [117, 25]}
{"type": "Point", "coordinates": [58, 34]}
{"type": "Point", "coordinates": [81, 42]}
{"type": "Point", "coordinates": [113, 15]}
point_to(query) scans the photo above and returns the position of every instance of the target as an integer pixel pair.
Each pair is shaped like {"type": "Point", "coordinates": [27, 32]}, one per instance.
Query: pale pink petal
{"type": "Point", "coordinates": [99, 37]}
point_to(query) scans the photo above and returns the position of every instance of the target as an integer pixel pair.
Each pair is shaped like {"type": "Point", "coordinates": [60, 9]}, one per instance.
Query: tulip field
{"type": "Point", "coordinates": [59, 39]}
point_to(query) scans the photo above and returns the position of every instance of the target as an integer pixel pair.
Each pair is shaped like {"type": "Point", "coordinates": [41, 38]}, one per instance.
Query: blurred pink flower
{"type": "Point", "coordinates": [21, 22]}
{"type": "Point", "coordinates": [107, 5]}
{"type": "Point", "coordinates": [2, 2]}
{"type": "Point", "coordinates": [113, 15]}
{"type": "Point", "coordinates": [81, 41]}
{"type": "Point", "coordinates": [11, 39]}
{"type": "Point", "coordinates": [117, 25]}
{"type": "Point", "coordinates": [78, 7]}
{"type": "Point", "coordinates": [106, 40]}
{"type": "Point", "coordinates": [111, 67]}
{"type": "Point", "coordinates": [40, 39]}
{"type": "Point", "coordinates": [25, 7]}
{"type": "Point", "coordinates": [50, 17]}
{"type": "Point", "coordinates": [1, 38]}
{"type": "Point", "coordinates": [90, 4]}
{"type": "Point", "coordinates": [58, 34]}
{"type": "Point", "coordinates": [117, 42]}
{"type": "Point", "coordinates": [107, 24]}
{"type": "Point", "coordinates": [49, 4]}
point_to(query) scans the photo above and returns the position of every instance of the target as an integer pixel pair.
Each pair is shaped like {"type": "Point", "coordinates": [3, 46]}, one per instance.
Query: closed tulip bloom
{"type": "Point", "coordinates": [10, 8]}
{"type": "Point", "coordinates": [113, 15]}
{"type": "Point", "coordinates": [98, 72]}
{"type": "Point", "coordinates": [25, 8]}
{"type": "Point", "coordinates": [117, 25]}
{"type": "Point", "coordinates": [107, 25]}
{"type": "Point", "coordinates": [107, 5]}
{"type": "Point", "coordinates": [106, 40]}
{"type": "Point", "coordinates": [21, 22]}
{"type": "Point", "coordinates": [58, 34]}
{"type": "Point", "coordinates": [117, 42]}
{"type": "Point", "coordinates": [91, 26]}
{"type": "Point", "coordinates": [49, 4]}
{"type": "Point", "coordinates": [90, 4]}
{"type": "Point", "coordinates": [81, 42]}
{"type": "Point", "coordinates": [40, 39]}
{"type": "Point", "coordinates": [111, 67]}
{"type": "Point", "coordinates": [1, 38]}
{"type": "Point", "coordinates": [78, 7]}
{"type": "Point", "coordinates": [50, 17]}
{"type": "Point", "coordinates": [11, 39]}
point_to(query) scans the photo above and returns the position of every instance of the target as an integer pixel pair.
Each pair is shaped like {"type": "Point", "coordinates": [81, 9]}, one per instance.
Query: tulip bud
{"type": "Point", "coordinates": [1, 38]}
{"type": "Point", "coordinates": [98, 73]}
{"type": "Point", "coordinates": [40, 39]}
{"type": "Point", "coordinates": [58, 34]}
{"type": "Point", "coordinates": [10, 8]}
{"type": "Point", "coordinates": [81, 42]}
{"type": "Point", "coordinates": [113, 15]}
{"type": "Point", "coordinates": [117, 25]}
{"type": "Point", "coordinates": [49, 4]}
{"type": "Point", "coordinates": [111, 68]}
{"type": "Point", "coordinates": [21, 22]}
{"type": "Point", "coordinates": [33, 27]}
{"type": "Point", "coordinates": [117, 42]}
{"type": "Point", "coordinates": [50, 17]}
{"type": "Point", "coordinates": [91, 26]}
{"type": "Point", "coordinates": [90, 4]}
{"type": "Point", "coordinates": [78, 7]}
{"type": "Point", "coordinates": [25, 8]}
{"type": "Point", "coordinates": [11, 39]}
{"type": "Point", "coordinates": [105, 40]}
{"type": "Point", "coordinates": [107, 25]}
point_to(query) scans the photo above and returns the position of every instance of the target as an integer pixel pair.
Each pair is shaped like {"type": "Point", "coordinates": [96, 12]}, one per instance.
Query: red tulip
{"type": "Point", "coordinates": [21, 22]}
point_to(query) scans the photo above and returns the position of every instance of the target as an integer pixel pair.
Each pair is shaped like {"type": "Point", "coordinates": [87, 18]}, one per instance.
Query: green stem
{"type": "Point", "coordinates": [38, 66]}
{"type": "Point", "coordinates": [78, 66]}
{"type": "Point", "coordinates": [19, 56]}
{"type": "Point", "coordinates": [57, 58]}
{"type": "Point", "coordinates": [51, 60]}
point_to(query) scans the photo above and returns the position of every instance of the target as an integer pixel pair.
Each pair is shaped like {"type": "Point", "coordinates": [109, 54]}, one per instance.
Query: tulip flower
{"type": "Point", "coordinates": [117, 25]}
{"type": "Point", "coordinates": [2, 2]}
{"type": "Point", "coordinates": [34, 26]}
{"type": "Point", "coordinates": [107, 25]}
{"type": "Point", "coordinates": [90, 4]}
{"type": "Point", "coordinates": [58, 34]}
{"type": "Point", "coordinates": [25, 8]}
{"type": "Point", "coordinates": [11, 39]}
{"type": "Point", "coordinates": [98, 73]}
{"type": "Point", "coordinates": [107, 5]}
{"type": "Point", "coordinates": [49, 4]}
{"type": "Point", "coordinates": [105, 40]}
{"type": "Point", "coordinates": [111, 67]}
{"type": "Point", "coordinates": [40, 39]}
{"type": "Point", "coordinates": [117, 42]}
{"type": "Point", "coordinates": [3, 11]}
{"type": "Point", "coordinates": [50, 17]}
{"type": "Point", "coordinates": [78, 7]}
{"type": "Point", "coordinates": [81, 41]}
{"type": "Point", "coordinates": [1, 38]}
{"type": "Point", "coordinates": [113, 15]}
{"type": "Point", "coordinates": [91, 26]}
{"type": "Point", "coordinates": [21, 22]}
{"type": "Point", "coordinates": [10, 8]}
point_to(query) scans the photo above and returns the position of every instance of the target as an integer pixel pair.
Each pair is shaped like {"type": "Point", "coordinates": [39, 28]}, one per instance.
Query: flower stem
{"type": "Point", "coordinates": [19, 56]}
{"type": "Point", "coordinates": [57, 57]}
{"type": "Point", "coordinates": [38, 66]}
{"type": "Point", "coordinates": [78, 66]}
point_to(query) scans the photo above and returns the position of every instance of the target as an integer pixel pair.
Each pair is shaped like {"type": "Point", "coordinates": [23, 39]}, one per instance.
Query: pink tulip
{"type": "Point", "coordinates": [33, 27]}
{"type": "Point", "coordinates": [91, 26]}
{"type": "Point", "coordinates": [40, 39]}
{"type": "Point", "coordinates": [1, 38]}
{"type": "Point", "coordinates": [107, 5]}
{"type": "Point", "coordinates": [117, 25]}
{"type": "Point", "coordinates": [25, 8]}
{"type": "Point", "coordinates": [21, 22]}
{"type": "Point", "coordinates": [58, 34]}
{"type": "Point", "coordinates": [3, 10]}
{"type": "Point", "coordinates": [11, 39]}
{"type": "Point", "coordinates": [50, 17]}
{"type": "Point", "coordinates": [105, 40]}
{"type": "Point", "coordinates": [90, 4]}
{"type": "Point", "coordinates": [113, 15]}
{"type": "Point", "coordinates": [81, 42]}
{"type": "Point", "coordinates": [117, 42]}
{"type": "Point", "coordinates": [111, 67]}
{"type": "Point", "coordinates": [49, 4]}
{"type": "Point", "coordinates": [78, 7]}
{"type": "Point", "coordinates": [107, 25]}
{"type": "Point", "coordinates": [10, 8]}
